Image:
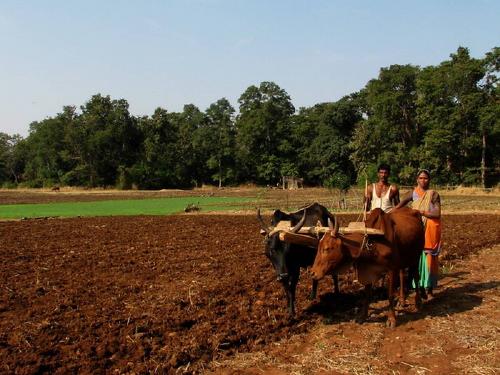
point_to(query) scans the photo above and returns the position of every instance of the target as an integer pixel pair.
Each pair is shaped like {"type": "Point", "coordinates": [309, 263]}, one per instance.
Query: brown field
{"type": "Point", "coordinates": [195, 294]}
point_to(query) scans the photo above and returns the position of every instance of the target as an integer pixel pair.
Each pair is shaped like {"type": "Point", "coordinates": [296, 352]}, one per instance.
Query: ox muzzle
{"type": "Point", "coordinates": [282, 277]}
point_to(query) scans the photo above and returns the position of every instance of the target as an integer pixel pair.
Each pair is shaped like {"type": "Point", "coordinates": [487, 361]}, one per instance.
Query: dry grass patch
{"type": "Point", "coordinates": [462, 190]}
{"type": "Point", "coordinates": [327, 349]}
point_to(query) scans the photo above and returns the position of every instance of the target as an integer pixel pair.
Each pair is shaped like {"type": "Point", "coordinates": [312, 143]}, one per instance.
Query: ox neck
{"type": "Point", "coordinates": [352, 242]}
{"type": "Point", "coordinates": [360, 243]}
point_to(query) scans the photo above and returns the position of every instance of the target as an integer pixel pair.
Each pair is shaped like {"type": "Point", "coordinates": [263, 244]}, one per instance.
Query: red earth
{"type": "Point", "coordinates": [162, 294]}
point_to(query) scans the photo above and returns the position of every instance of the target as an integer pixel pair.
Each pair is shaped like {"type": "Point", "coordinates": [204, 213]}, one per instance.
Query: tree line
{"type": "Point", "coordinates": [444, 118]}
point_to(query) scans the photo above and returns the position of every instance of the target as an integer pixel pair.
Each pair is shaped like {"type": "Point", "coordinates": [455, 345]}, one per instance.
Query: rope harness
{"type": "Point", "coordinates": [367, 245]}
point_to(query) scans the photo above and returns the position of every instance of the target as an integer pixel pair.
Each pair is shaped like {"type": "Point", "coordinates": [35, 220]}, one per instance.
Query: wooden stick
{"type": "Point", "coordinates": [303, 239]}
{"type": "Point", "coordinates": [365, 206]}
{"type": "Point", "coordinates": [299, 239]}
{"type": "Point", "coordinates": [342, 230]}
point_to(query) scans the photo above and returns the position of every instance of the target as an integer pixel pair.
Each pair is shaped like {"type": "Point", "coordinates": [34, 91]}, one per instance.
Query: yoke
{"type": "Point", "coordinates": [309, 236]}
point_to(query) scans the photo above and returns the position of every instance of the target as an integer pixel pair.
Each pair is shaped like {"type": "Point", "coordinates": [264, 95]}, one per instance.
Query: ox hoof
{"type": "Point", "coordinates": [391, 323]}
{"type": "Point", "coordinates": [360, 319]}
{"type": "Point", "coordinates": [418, 305]}
{"type": "Point", "coordinates": [423, 294]}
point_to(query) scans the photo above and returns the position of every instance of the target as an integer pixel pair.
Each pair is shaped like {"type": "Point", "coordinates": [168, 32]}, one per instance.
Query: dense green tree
{"type": "Point", "coordinates": [5, 147]}
{"type": "Point", "coordinates": [320, 136]}
{"type": "Point", "coordinates": [216, 138]}
{"type": "Point", "coordinates": [45, 160]}
{"type": "Point", "coordinates": [191, 163]}
{"type": "Point", "coordinates": [17, 158]}
{"type": "Point", "coordinates": [263, 126]}
{"type": "Point", "coordinates": [489, 119]}
{"type": "Point", "coordinates": [156, 168]}
{"type": "Point", "coordinates": [444, 117]}
{"type": "Point", "coordinates": [389, 131]}
{"type": "Point", "coordinates": [11, 165]}
{"type": "Point", "coordinates": [106, 140]}
{"type": "Point", "coordinates": [449, 105]}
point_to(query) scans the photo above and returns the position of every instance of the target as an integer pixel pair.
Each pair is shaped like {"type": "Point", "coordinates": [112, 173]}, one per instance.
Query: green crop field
{"type": "Point", "coordinates": [17, 204]}
{"type": "Point", "coordinates": [159, 206]}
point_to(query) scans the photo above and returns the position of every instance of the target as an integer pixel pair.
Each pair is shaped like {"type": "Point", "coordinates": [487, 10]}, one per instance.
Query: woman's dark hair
{"type": "Point", "coordinates": [424, 171]}
{"type": "Point", "coordinates": [384, 167]}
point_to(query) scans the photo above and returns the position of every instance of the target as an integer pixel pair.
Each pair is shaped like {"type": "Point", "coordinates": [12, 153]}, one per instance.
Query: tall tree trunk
{"type": "Point", "coordinates": [220, 173]}
{"type": "Point", "coordinates": [14, 175]}
{"type": "Point", "coordinates": [483, 161]}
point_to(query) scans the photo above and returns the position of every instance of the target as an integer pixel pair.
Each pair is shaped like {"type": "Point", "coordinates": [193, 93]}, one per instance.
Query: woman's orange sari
{"type": "Point", "coordinates": [432, 226]}
{"type": "Point", "coordinates": [429, 264]}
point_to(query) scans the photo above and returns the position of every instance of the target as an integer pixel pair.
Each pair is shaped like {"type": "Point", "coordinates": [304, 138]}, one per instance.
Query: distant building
{"type": "Point", "coordinates": [292, 182]}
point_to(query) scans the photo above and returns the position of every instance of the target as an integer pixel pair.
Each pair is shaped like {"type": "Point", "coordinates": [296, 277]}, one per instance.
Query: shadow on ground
{"type": "Point", "coordinates": [452, 300]}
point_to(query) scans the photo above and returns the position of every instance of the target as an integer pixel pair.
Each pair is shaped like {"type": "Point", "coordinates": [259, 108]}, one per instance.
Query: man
{"type": "Point", "coordinates": [382, 194]}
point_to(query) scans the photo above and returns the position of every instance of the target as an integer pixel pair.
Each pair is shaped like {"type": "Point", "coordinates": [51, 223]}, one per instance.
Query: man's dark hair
{"type": "Point", "coordinates": [384, 167]}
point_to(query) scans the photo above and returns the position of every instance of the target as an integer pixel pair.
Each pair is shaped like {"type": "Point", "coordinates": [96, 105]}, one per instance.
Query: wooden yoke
{"type": "Point", "coordinates": [299, 239]}
{"type": "Point", "coordinates": [342, 230]}
{"type": "Point", "coordinates": [309, 236]}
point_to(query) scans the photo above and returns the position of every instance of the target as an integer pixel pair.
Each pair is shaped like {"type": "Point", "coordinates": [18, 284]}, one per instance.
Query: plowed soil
{"type": "Point", "coordinates": [165, 294]}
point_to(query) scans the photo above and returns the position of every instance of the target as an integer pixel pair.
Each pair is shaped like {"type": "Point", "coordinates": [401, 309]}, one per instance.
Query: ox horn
{"type": "Point", "coordinates": [299, 225]}
{"type": "Point", "coordinates": [262, 224]}
{"type": "Point", "coordinates": [334, 228]}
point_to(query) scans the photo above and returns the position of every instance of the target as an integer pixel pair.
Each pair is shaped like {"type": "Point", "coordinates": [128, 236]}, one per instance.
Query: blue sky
{"type": "Point", "coordinates": [170, 53]}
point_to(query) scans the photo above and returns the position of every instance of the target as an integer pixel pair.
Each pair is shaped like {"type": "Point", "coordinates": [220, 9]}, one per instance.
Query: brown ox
{"type": "Point", "coordinates": [372, 257]}
{"type": "Point", "coordinates": [404, 228]}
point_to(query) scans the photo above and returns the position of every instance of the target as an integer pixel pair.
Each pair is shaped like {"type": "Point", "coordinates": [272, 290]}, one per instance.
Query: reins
{"type": "Point", "coordinates": [365, 244]}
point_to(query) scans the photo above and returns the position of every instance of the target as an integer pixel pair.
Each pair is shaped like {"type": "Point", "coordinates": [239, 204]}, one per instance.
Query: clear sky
{"type": "Point", "coordinates": [174, 52]}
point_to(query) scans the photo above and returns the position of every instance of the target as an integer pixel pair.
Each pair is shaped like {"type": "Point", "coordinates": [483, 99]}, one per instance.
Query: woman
{"type": "Point", "coordinates": [428, 202]}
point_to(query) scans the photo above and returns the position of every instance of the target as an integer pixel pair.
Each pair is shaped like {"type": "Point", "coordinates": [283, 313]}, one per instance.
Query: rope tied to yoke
{"type": "Point", "coordinates": [365, 245]}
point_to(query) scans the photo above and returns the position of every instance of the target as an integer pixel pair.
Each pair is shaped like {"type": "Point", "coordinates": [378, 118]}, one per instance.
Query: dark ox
{"type": "Point", "coordinates": [288, 258]}
{"type": "Point", "coordinates": [372, 257]}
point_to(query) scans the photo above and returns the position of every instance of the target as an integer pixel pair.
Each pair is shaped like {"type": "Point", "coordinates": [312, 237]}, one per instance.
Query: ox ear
{"type": "Point", "coordinates": [264, 229]}
{"type": "Point", "coordinates": [278, 216]}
